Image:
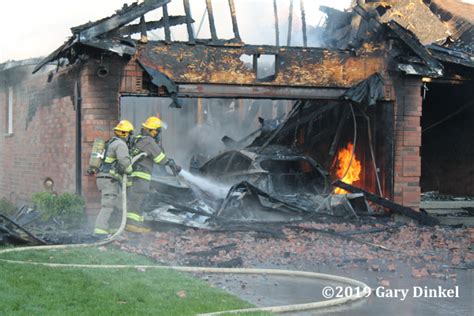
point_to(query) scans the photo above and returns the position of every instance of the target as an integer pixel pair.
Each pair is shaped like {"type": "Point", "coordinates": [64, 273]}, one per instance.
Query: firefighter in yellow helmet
{"type": "Point", "coordinates": [146, 142]}
{"type": "Point", "coordinates": [115, 162]}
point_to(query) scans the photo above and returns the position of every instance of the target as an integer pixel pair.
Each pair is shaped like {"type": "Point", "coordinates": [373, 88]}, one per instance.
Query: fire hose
{"type": "Point", "coordinates": [356, 295]}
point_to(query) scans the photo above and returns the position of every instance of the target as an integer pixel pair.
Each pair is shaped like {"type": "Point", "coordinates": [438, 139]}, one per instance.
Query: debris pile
{"type": "Point", "coordinates": [432, 251]}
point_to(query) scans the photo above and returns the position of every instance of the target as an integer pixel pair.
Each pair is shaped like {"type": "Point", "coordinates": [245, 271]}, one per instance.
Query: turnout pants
{"type": "Point", "coordinates": [136, 197]}
{"type": "Point", "coordinates": [110, 197]}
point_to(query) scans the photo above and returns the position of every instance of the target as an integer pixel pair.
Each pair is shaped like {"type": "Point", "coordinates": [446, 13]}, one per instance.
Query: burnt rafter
{"type": "Point", "coordinates": [120, 47]}
{"type": "Point", "coordinates": [92, 33]}
{"type": "Point", "coordinates": [410, 39]}
{"type": "Point", "coordinates": [126, 15]}
{"type": "Point", "coordinates": [152, 25]}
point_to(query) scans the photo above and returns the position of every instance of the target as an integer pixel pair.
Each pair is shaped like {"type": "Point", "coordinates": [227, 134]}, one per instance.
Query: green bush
{"type": "Point", "coordinates": [7, 207]}
{"type": "Point", "coordinates": [67, 207]}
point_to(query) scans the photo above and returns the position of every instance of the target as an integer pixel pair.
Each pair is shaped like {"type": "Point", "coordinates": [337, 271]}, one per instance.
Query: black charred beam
{"type": "Point", "coordinates": [3, 229]}
{"type": "Point", "coordinates": [92, 30]}
{"type": "Point", "coordinates": [212, 23]}
{"type": "Point", "coordinates": [290, 23]}
{"type": "Point", "coordinates": [120, 47]}
{"type": "Point", "coordinates": [257, 92]}
{"type": "Point", "coordinates": [371, 19]}
{"type": "Point", "coordinates": [303, 21]}
{"type": "Point", "coordinates": [290, 127]}
{"type": "Point", "coordinates": [166, 19]}
{"type": "Point", "coordinates": [342, 123]}
{"type": "Point", "coordinates": [414, 44]}
{"type": "Point", "coordinates": [153, 25]}
{"type": "Point", "coordinates": [450, 55]}
{"type": "Point", "coordinates": [233, 15]}
{"type": "Point", "coordinates": [277, 31]}
{"type": "Point", "coordinates": [353, 35]}
{"type": "Point", "coordinates": [421, 217]}
{"type": "Point", "coordinates": [144, 37]}
{"type": "Point", "coordinates": [58, 53]}
{"type": "Point", "coordinates": [189, 22]}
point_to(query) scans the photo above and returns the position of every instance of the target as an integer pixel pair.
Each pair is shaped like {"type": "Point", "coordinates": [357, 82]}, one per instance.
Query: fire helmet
{"type": "Point", "coordinates": [152, 123]}
{"type": "Point", "coordinates": [124, 126]}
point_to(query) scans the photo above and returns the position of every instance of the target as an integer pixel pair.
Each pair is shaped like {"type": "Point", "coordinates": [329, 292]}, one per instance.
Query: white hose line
{"type": "Point", "coordinates": [364, 288]}
{"type": "Point", "coordinates": [363, 293]}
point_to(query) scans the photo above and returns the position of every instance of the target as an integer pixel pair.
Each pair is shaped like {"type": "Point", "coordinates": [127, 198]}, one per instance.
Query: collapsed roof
{"type": "Point", "coordinates": [435, 31]}
{"type": "Point", "coordinates": [429, 34]}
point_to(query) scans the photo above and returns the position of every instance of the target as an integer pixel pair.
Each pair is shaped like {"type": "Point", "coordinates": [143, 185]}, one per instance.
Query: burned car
{"type": "Point", "coordinates": [276, 184]}
{"type": "Point", "coordinates": [277, 170]}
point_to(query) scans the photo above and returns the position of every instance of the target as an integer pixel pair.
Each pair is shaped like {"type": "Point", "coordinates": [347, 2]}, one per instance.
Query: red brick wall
{"type": "Point", "coordinates": [100, 113]}
{"type": "Point", "coordinates": [42, 143]}
{"type": "Point", "coordinates": [407, 160]}
{"type": "Point", "coordinates": [43, 140]}
{"type": "Point", "coordinates": [132, 81]}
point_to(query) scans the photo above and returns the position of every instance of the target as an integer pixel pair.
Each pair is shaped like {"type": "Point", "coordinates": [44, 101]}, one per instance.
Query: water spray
{"type": "Point", "coordinates": [216, 189]}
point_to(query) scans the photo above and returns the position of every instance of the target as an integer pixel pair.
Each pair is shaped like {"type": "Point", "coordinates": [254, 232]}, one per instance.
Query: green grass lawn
{"type": "Point", "coordinates": [36, 290]}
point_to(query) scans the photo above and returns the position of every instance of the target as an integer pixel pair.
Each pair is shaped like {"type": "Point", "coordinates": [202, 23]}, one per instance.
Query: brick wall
{"type": "Point", "coordinates": [407, 160]}
{"type": "Point", "coordinates": [43, 140]}
{"type": "Point", "coordinates": [42, 143]}
{"type": "Point", "coordinates": [132, 80]}
{"type": "Point", "coordinates": [100, 113]}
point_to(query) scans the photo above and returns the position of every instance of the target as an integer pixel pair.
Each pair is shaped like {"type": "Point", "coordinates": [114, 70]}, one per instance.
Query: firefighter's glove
{"type": "Point", "coordinates": [128, 170]}
{"type": "Point", "coordinates": [174, 167]}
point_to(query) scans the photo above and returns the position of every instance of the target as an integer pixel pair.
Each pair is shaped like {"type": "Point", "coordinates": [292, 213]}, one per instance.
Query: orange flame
{"type": "Point", "coordinates": [343, 160]}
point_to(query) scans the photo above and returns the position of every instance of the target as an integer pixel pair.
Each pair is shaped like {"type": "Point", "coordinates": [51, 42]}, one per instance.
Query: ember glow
{"type": "Point", "coordinates": [343, 161]}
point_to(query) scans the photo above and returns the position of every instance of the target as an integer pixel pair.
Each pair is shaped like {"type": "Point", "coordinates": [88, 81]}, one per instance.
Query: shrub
{"type": "Point", "coordinates": [7, 207]}
{"type": "Point", "coordinates": [67, 207]}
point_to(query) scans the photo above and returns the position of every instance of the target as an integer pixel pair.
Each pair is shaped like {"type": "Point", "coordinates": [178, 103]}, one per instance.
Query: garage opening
{"type": "Point", "coordinates": [447, 151]}
{"type": "Point", "coordinates": [320, 130]}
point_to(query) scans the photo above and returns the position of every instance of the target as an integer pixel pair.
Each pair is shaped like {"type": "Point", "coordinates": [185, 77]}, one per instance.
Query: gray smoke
{"type": "Point", "coordinates": [190, 133]}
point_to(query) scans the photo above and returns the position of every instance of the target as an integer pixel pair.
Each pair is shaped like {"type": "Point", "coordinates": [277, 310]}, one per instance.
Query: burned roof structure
{"type": "Point", "coordinates": [436, 32]}
{"type": "Point", "coordinates": [366, 30]}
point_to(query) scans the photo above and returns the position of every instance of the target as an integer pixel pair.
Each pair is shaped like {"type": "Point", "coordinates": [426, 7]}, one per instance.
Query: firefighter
{"type": "Point", "coordinates": [115, 163]}
{"type": "Point", "coordinates": [146, 142]}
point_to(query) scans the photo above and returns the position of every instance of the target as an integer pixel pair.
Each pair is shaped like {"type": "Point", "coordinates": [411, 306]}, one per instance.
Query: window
{"type": "Point", "coordinates": [10, 112]}
{"type": "Point", "coordinates": [266, 67]}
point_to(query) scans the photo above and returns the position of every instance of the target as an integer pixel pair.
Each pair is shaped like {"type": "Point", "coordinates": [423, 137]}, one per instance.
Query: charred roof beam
{"type": "Point", "coordinates": [189, 22]}
{"type": "Point", "coordinates": [120, 47]}
{"type": "Point", "coordinates": [410, 39]}
{"type": "Point", "coordinates": [233, 15]}
{"type": "Point", "coordinates": [166, 20]}
{"type": "Point", "coordinates": [90, 31]}
{"type": "Point", "coordinates": [212, 24]}
{"type": "Point", "coordinates": [152, 25]}
{"type": "Point", "coordinates": [186, 90]}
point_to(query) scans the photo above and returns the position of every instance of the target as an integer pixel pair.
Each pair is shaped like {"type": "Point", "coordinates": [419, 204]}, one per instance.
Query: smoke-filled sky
{"type": "Point", "coordinates": [33, 28]}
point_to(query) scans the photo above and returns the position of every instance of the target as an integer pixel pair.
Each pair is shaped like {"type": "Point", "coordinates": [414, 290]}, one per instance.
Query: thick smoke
{"type": "Point", "coordinates": [193, 133]}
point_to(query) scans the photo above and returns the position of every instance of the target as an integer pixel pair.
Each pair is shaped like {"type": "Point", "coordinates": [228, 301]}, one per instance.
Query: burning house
{"type": "Point", "coordinates": [384, 105]}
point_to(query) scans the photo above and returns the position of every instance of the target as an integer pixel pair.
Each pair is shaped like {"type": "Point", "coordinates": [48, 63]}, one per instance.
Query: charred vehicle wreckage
{"type": "Point", "coordinates": [267, 181]}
